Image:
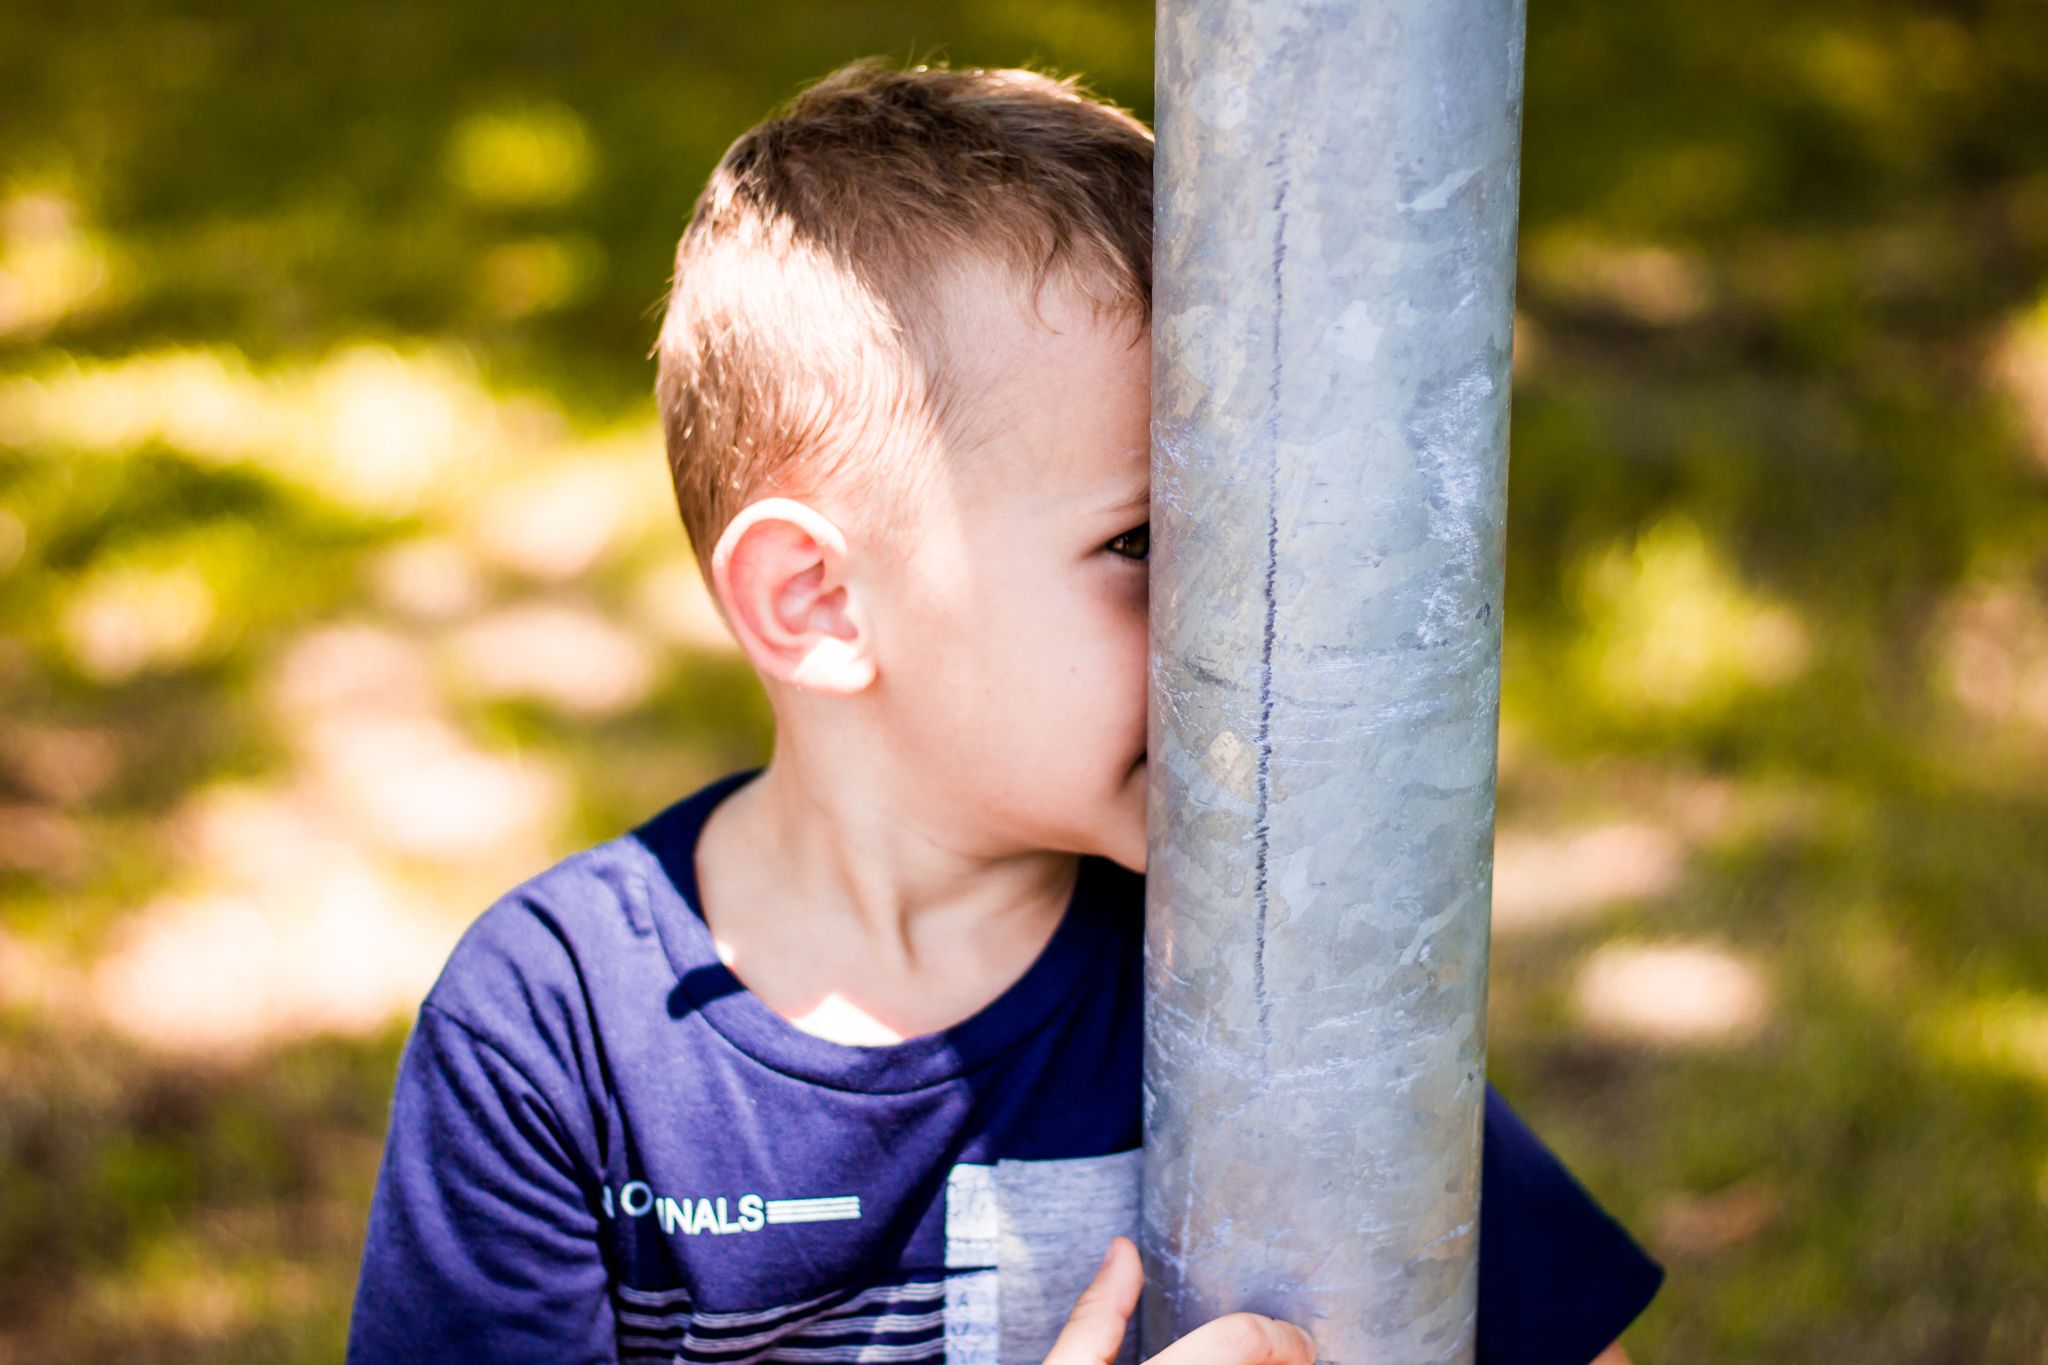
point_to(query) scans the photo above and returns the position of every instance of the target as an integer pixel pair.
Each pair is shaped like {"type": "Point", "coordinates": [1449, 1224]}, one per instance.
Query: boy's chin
{"type": "Point", "coordinates": [1130, 846]}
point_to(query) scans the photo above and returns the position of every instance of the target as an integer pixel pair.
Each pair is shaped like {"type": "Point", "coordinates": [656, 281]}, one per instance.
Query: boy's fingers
{"type": "Point", "coordinates": [1241, 1339]}
{"type": "Point", "coordinates": [1095, 1329]}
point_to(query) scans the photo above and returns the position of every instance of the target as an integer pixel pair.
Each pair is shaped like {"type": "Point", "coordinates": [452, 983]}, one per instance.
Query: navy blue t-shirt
{"type": "Point", "coordinates": [604, 1147]}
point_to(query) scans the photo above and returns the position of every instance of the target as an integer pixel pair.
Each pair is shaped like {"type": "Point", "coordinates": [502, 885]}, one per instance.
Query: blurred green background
{"type": "Point", "coordinates": [342, 589]}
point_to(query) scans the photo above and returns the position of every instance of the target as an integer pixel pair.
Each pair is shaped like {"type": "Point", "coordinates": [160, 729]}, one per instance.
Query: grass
{"type": "Point", "coordinates": [306, 313]}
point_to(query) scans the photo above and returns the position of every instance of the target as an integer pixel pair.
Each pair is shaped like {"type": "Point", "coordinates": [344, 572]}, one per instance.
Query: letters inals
{"type": "Point", "coordinates": [637, 1199]}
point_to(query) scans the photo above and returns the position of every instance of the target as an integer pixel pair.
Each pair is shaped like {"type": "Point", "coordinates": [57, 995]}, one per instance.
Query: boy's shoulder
{"type": "Point", "coordinates": [586, 926]}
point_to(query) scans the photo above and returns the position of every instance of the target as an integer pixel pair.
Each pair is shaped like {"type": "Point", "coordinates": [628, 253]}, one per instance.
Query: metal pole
{"type": "Point", "coordinates": [1333, 312]}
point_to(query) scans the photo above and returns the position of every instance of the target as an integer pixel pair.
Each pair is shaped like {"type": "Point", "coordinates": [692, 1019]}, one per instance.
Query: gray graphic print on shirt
{"type": "Point", "coordinates": [1023, 1239]}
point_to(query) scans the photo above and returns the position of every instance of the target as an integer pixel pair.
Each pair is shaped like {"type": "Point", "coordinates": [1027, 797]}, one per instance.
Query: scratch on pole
{"type": "Point", "coordinates": [1262, 829]}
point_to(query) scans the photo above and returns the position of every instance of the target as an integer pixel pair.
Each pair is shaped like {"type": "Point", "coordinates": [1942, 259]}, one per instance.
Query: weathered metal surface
{"type": "Point", "coordinates": [1333, 313]}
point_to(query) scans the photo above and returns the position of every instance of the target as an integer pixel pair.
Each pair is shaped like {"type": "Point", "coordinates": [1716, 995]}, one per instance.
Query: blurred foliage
{"type": "Point", "coordinates": [323, 393]}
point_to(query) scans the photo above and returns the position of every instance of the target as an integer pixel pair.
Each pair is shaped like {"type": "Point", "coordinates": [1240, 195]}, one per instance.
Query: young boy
{"type": "Point", "coordinates": [837, 1060]}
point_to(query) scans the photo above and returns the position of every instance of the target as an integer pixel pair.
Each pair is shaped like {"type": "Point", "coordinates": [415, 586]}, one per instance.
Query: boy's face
{"type": "Point", "coordinates": [1012, 645]}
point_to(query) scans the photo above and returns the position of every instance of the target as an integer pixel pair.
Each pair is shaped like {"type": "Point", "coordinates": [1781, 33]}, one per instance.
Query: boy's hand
{"type": "Point", "coordinates": [1095, 1329]}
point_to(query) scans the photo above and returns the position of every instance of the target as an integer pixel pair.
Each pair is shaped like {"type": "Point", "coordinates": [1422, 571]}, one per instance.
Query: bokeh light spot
{"type": "Point", "coordinates": [536, 275]}
{"type": "Point", "coordinates": [51, 267]}
{"type": "Point", "coordinates": [563, 654]}
{"type": "Point", "coordinates": [1670, 994]}
{"type": "Point", "coordinates": [1543, 880]}
{"type": "Point", "coordinates": [560, 519]}
{"type": "Point", "coordinates": [1673, 630]}
{"type": "Point", "coordinates": [429, 578]}
{"type": "Point", "coordinates": [2005, 1033]}
{"type": "Point", "coordinates": [375, 429]}
{"type": "Point", "coordinates": [1992, 647]}
{"type": "Point", "coordinates": [2019, 366]}
{"type": "Point", "coordinates": [524, 157]}
{"type": "Point", "coordinates": [123, 619]}
{"type": "Point", "coordinates": [1646, 282]}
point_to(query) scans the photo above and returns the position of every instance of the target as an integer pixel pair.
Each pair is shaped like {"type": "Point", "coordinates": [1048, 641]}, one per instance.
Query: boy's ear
{"type": "Point", "coordinates": [780, 568]}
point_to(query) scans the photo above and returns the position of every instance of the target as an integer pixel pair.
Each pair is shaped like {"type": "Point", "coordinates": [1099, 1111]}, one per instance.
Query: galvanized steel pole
{"type": "Point", "coordinates": [1333, 313]}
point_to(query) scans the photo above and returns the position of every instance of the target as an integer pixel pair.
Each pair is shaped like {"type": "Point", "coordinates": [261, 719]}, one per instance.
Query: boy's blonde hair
{"type": "Point", "coordinates": [803, 342]}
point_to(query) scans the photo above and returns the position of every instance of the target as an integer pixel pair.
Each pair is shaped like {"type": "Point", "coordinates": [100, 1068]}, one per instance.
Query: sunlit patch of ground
{"type": "Point", "coordinates": [295, 932]}
{"type": "Point", "coordinates": [1649, 283]}
{"type": "Point", "coordinates": [1991, 647]}
{"type": "Point", "coordinates": [322, 898]}
{"type": "Point", "coordinates": [300, 910]}
{"type": "Point", "coordinates": [1672, 994]}
{"type": "Point", "coordinates": [124, 618]}
{"type": "Point", "coordinates": [557, 520]}
{"type": "Point", "coordinates": [54, 266]}
{"type": "Point", "coordinates": [382, 757]}
{"type": "Point", "coordinates": [564, 653]}
{"type": "Point", "coordinates": [429, 578]}
{"type": "Point", "coordinates": [417, 785]}
{"type": "Point", "coordinates": [1544, 880]}
{"type": "Point", "coordinates": [1555, 871]}
{"type": "Point", "coordinates": [379, 430]}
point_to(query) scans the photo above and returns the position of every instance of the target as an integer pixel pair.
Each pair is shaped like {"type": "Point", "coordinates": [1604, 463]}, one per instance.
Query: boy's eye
{"type": "Point", "coordinates": [1136, 542]}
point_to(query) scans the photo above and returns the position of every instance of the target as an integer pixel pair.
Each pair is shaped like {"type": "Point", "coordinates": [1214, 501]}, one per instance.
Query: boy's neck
{"type": "Point", "coordinates": [855, 920]}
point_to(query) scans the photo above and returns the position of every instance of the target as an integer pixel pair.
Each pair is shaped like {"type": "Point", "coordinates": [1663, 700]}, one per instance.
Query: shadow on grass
{"type": "Point", "coordinates": [164, 1212]}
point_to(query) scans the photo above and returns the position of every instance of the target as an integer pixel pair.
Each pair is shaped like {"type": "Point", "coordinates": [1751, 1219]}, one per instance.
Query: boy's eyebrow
{"type": "Point", "coordinates": [1130, 501]}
